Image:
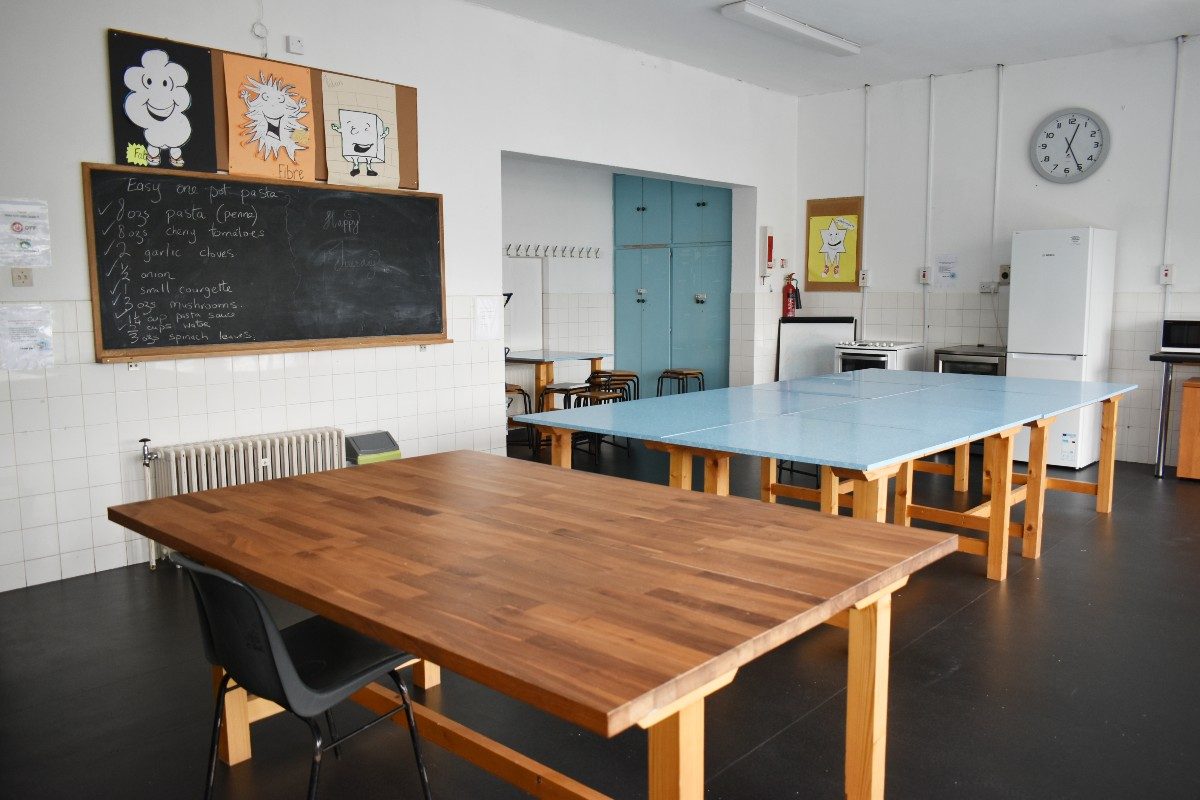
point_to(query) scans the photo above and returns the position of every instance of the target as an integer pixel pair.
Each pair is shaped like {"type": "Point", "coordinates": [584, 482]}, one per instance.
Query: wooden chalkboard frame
{"type": "Point", "coordinates": [108, 356]}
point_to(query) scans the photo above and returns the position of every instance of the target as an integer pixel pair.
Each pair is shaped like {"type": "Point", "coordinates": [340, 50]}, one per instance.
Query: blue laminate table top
{"type": "Point", "coordinates": [549, 356]}
{"type": "Point", "coordinates": [859, 420]}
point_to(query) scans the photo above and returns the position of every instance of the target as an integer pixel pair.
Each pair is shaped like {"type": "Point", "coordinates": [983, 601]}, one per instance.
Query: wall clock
{"type": "Point", "coordinates": [1069, 145]}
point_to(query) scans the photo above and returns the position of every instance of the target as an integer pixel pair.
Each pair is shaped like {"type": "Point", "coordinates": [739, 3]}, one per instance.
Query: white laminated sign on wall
{"type": "Point", "coordinates": [25, 337]}
{"type": "Point", "coordinates": [24, 233]}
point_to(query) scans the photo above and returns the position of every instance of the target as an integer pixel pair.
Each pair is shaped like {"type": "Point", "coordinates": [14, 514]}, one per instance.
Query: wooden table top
{"type": "Point", "coordinates": [598, 599]}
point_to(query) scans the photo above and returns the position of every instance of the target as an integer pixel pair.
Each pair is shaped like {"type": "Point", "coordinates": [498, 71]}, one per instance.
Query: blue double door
{"type": "Point", "coordinates": [672, 263]}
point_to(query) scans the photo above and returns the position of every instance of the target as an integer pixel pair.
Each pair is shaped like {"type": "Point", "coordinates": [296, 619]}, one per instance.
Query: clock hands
{"type": "Point", "coordinates": [1071, 152]}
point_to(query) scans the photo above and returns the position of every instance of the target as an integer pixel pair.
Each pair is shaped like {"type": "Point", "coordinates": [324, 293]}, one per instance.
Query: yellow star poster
{"type": "Point", "coordinates": [833, 244]}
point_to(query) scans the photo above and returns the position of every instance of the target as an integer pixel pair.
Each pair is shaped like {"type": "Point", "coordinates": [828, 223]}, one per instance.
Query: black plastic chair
{"type": "Point", "coordinates": [306, 668]}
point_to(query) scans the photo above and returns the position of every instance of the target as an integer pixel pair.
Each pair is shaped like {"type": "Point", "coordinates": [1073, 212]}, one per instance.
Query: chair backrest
{"type": "Point", "coordinates": [239, 633]}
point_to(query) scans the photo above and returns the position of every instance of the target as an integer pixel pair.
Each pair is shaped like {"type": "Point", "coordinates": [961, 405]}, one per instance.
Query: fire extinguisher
{"type": "Point", "coordinates": [791, 295]}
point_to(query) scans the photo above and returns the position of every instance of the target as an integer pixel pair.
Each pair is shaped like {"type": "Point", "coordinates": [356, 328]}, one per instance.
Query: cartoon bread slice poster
{"type": "Point", "coordinates": [270, 117]}
{"type": "Point", "coordinates": [361, 134]}
{"type": "Point", "coordinates": [162, 103]}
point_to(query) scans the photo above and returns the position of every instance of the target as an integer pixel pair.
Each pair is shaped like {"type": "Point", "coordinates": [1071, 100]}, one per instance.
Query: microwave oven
{"type": "Point", "coordinates": [1180, 336]}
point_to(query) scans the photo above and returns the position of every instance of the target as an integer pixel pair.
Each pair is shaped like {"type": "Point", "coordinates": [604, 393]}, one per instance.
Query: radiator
{"type": "Point", "coordinates": [182, 468]}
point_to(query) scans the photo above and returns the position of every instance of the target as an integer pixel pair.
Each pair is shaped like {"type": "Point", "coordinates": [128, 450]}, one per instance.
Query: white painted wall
{"type": "Point", "coordinates": [1131, 89]}
{"type": "Point", "coordinates": [488, 82]}
{"type": "Point", "coordinates": [560, 203]}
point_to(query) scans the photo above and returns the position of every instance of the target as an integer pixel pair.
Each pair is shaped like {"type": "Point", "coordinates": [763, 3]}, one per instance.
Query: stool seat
{"type": "Point", "coordinates": [681, 376]}
{"type": "Point", "coordinates": [595, 396]}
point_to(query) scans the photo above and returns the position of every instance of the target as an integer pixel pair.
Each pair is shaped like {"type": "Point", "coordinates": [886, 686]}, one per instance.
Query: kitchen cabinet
{"type": "Point", "coordinates": [641, 211]}
{"type": "Point", "coordinates": [642, 306]}
{"type": "Point", "coordinates": [700, 311]}
{"type": "Point", "coordinates": [701, 214]}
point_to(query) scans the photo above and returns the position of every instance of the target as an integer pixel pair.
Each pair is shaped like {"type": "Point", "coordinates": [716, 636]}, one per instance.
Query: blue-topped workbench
{"type": "Point", "coordinates": [865, 428]}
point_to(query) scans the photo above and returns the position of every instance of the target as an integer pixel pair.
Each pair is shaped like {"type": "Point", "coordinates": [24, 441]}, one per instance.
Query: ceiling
{"type": "Point", "coordinates": [900, 39]}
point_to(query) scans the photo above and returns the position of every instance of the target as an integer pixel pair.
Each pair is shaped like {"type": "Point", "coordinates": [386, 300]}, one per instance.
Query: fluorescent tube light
{"type": "Point", "coordinates": [773, 22]}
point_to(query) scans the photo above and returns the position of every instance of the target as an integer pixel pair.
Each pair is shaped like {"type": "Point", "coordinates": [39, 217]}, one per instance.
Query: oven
{"type": "Point", "coordinates": [852, 360]}
{"type": "Point", "coordinates": [854, 356]}
{"type": "Point", "coordinates": [970, 360]}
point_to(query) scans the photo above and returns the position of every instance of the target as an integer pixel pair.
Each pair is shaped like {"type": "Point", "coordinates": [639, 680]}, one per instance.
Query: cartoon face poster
{"type": "Point", "coordinates": [361, 132]}
{"type": "Point", "coordinates": [162, 103]}
{"type": "Point", "coordinates": [270, 117]}
{"type": "Point", "coordinates": [833, 244]}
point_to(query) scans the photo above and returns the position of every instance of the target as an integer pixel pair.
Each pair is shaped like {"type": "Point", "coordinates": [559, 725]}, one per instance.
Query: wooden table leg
{"type": "Point", "coordinates": [904, 481]}
{"type": "Point", "coordinates": [768, 468]}
{"type": "Point", "coordinates": [829, 491]}
{"type": "Point", "coordinates": [870, 623]}
{"type": "Point", "coordinates": [999, 466]}
{"type": "Point", "coordinates": [561, 443]}
{"type": "Point", "coordinates": [543, 376]}
{"type": "Point", "coordinates": [235, 723]}
{"type": "Point", "coordinates": [1035, 487]}
{"type": "Point", "coordinates": [962, 466]}
{"type": "Point", "coordinates": [987, 466]}
{"type": "Point", "coordinates": [681, 469]}
{"type": "Point", "coordinates": [870, 499]}
{"type": "Point", "coordinates": [676, 747]}
{"type": "Point", "coordinates": [1108, 455]}
{"type": "Point", "coordinates": [426, 674]}
{"type": "Point", "coordinates": [716, 475]}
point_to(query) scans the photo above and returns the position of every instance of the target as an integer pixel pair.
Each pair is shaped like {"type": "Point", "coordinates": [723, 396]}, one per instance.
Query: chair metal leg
{"type": "Point", "coordinates": [318, 746]}
{"type": "Point", "coordinates": [412, 730]}
{"type": "Point", "coordinates": [337, 750]}
{"type": "Point", "coordinates": [216, 736]}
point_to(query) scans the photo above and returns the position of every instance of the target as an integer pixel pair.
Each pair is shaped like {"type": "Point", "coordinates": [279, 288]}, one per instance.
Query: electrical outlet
{"type": "Point", "coordinates": [133, 366]}
{"type": "Point", "coordinates": [988, 287]}
{"type": "Point", "coordinates": [864, 278]}
{"type": "Point", "coordinates": [22, 276]}
{"type": "Point", "coordinates": [1166, 274]}
{"type": "Point", "coordinates": [294, 45]}
{"type": "Point", "coordinates": [1005, 274]}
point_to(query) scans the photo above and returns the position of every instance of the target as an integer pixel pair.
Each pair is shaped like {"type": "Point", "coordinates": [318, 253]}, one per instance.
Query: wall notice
{"type": "Point", "coordinates": [946, 270]}
{"type": "Point", "coordinates": [25, 337]}
{"type": "Point", "coordinates": [24, 233]}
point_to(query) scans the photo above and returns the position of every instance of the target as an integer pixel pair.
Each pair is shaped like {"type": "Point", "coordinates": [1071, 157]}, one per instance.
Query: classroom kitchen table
{"type": "Point", "coordinates": [590, 597]}
{"type": "Point", "coordinates": [1168, 360]}
{"type": "Point", "coordinates": [543, 364]}
{"type": "Point", "coordinates": [865, 428]}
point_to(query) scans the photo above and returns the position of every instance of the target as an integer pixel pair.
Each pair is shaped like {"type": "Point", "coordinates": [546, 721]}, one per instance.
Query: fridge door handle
{"type": "Point", "coordinates": [1043, 357]}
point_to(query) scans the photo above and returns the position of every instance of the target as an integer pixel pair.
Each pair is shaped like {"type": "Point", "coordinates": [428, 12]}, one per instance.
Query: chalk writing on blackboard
{"type": "Point", "coordinates": [184, 261]}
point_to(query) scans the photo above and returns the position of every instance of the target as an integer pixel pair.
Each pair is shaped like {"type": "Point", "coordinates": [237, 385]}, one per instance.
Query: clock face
{"type": "Point", "coordinates": [1069, 145]}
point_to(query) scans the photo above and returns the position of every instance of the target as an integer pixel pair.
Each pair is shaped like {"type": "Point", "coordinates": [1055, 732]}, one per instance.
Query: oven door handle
{"type": "Point", "coordinates": [970, 359]}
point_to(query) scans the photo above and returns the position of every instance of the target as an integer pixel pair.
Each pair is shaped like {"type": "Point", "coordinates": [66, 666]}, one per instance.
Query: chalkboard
{"type": "Point", "coordinates": [188, 263]}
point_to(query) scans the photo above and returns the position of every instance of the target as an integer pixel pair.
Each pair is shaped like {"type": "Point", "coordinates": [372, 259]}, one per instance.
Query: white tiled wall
{"type": "Point", "coordinates": [69, 434]}
{"type": "Point", "coordinates": [1136, 320]}
{"type": "Point", "coordinates": [574, 323]}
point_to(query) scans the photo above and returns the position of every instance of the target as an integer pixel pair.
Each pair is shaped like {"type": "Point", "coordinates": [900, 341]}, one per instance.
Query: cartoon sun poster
{"type": "Point", "coordinates": [362, 145]}
{"type": "Point", "coordinates": [833, 244]}
{"type": "Point", "coordinates": [162, 103]}
{"type": "Point", "coordinates": [270, 118]}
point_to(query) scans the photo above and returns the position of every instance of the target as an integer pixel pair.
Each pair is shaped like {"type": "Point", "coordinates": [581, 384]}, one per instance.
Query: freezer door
{"type": "Point", "coordinates": [1074, 437]}
{"type": "Point", "coordinates": [1048, 296]}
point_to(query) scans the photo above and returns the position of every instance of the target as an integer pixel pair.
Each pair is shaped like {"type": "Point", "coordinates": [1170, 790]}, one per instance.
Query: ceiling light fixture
{"type": "Point", "coordinates": [773, 22]}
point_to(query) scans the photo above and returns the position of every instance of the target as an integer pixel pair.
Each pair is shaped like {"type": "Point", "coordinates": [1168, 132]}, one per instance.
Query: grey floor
{"type": "Point", "coordinates": [1075, 678]}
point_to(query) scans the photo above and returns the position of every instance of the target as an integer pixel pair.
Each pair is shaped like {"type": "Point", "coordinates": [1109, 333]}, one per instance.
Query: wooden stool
{"type": "Point", "coordinates": [622, 376]}
{"type": "Point", "coordinates": [511, 391]}
{"type": "Point", "coordinates": [1188, 465]}
{"type": "Point", "coordinates": [681, 377]}
{"type": "Point", "coordinates": [564, 389]}
{"type": "Point", "coordinates": [596, 397]}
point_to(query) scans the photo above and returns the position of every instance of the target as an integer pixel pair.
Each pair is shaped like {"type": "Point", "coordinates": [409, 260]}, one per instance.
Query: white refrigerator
{"type": "Point", "coordinates": [1059, 326]}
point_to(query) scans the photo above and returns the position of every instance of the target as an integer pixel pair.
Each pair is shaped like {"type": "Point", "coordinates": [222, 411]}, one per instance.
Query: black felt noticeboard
{"type": "Point", "coordinates": [187, 263]}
